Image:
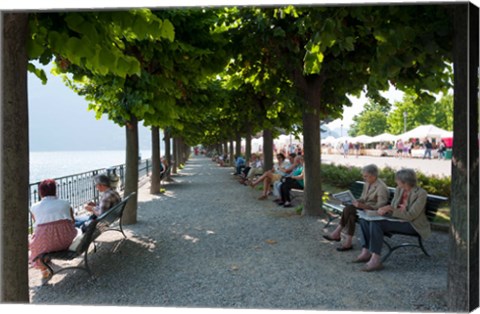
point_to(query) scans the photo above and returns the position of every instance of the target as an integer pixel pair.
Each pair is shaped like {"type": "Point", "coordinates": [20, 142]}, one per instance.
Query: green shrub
{"type": "Point", "coordinates": [343, 176]}
{"type": "Point", "coordinates": [340, 176]}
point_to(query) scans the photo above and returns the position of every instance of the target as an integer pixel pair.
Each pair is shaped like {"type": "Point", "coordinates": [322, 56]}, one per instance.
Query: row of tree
{"type": "Point", "coordinates": [213, 75]}
{"type": "Point", "coordinates": [216, 75]}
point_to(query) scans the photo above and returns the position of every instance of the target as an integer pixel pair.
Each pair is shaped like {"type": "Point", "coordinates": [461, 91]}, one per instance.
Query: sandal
{"type": "Point", "coordinates": [46, 274]}
{"type": "Point", "coordinates": [361, 260]}
{"type": "Point", "coordinates": [343, 249]}
{"type": "Point", "coordinates": [329, 238]}
{"type": "Point", "coordinates": [263, 197]}
{"type": "Point", "coordinates": [372, 268]}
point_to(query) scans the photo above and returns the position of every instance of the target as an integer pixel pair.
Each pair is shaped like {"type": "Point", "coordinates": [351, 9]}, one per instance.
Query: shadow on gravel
{"type": "Point", "coordinates": [113, 265]}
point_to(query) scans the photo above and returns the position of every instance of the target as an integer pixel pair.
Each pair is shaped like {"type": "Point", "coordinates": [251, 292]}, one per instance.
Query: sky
{"type": "Point", "coordinates": [358, 103]}
{"type": "Point", "coordinates": [59, 120]}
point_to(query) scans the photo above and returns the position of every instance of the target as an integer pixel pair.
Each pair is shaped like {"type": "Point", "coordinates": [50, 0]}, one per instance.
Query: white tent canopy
{"type": "Point", "coordinates": [364, 139]}
{"type": "Point", "coordinates": [384, 137]}
{"type": "Point", "coordinates": [329, 140]}
{"type": "Point", "coordinates": [424, 131]}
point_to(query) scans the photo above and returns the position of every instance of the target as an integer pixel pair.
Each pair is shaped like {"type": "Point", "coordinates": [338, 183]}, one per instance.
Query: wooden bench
{"type": "Point", "coordinates": [434, 202]}
{"type": "Point", "coordinates": [105, 222]}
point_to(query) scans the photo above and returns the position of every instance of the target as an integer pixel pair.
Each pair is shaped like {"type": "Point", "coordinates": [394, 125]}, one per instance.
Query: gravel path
{"type": "Point", "coordinates": [208, 242]}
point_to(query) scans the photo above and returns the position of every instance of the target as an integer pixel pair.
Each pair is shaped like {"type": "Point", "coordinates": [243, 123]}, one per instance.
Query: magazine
{"type": "Point", "coordinates": [346, 197]}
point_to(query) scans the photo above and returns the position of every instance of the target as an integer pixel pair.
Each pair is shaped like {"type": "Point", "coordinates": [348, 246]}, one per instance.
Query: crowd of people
{"type": "Point", "coordinates": [398, 148]}
{"type": "Point", "coordinates": [287, 174]}
{"type": "Point", "coordinates": [405, 213]}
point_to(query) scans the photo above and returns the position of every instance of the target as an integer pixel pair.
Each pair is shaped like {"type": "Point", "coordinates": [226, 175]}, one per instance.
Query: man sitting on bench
{"type": "Point", "coordinates": [374, 195]}
{"type": "Point", "coordinates": [108, 199]}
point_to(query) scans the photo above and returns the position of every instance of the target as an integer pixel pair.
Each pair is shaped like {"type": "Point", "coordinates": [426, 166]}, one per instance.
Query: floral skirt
{"type": "Point", "coordinates": [51, 237]}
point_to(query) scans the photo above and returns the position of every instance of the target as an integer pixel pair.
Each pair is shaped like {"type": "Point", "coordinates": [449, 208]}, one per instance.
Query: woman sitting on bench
{"type": "Point", "coordinates": [271, 176]}
{"type": "Point", "coordinates": [295, 181]}
{"type": "Point", "coordinates": [374, 195]}
{"type": "Point", "coordinates": [54, 228]}
{"type": "Point", "coordinates": [408, 205]}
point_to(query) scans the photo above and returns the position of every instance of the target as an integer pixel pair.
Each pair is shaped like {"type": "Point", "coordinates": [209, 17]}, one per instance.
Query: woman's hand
{"type": "Point", "coordinates": [384, 210]}
{"type": "Point", "coordinates": [357, 204]}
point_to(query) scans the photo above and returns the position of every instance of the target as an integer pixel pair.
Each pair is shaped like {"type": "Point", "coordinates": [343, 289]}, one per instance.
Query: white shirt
{"type": "Point", "coordinates": [285, 164]}
{"type": "Point", "coordinates": [49, 209]}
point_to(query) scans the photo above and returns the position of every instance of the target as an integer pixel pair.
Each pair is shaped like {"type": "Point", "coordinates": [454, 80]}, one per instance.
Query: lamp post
{"type": "Point", "coordinates": [341, 130]}
{"type": "Point", "coordinates": [404, 121]}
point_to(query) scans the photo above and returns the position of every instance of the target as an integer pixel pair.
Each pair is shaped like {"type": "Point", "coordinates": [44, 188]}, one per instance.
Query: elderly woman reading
{"type": "Point", "coordinates": [408, 205]}
{"type": "Point", "coordinates": [374, 195]}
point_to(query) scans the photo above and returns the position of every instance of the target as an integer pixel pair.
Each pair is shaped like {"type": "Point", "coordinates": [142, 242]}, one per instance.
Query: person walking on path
{"type": "Point", "coordinates": [345, 149]}
{"type": "Point", "coordinates": [428, 149]}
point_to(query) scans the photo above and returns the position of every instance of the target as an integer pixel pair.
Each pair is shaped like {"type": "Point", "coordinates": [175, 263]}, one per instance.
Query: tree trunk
{"type": "Point", "coordinates": [463, 250]}
{"type": "Point", "coordinates": [175, 157]}
{"type": "Point", "coordinates": [178, 158]}
{"type": "Point", "coordinates": [225, 148]}
{"type": "Point", "coordinates": [155, 177]}
{"type": "Point", "coordinates": [186, 152]}
{"type": "Point", "coordinates": [131, 174]}
{"type": "Point", "coordinates": [180, 152]}
{"type": "Point", "coordinates": [312, 205]}
{"type": "Point", "coordinates": [248, 145]}
{"type": "Point", "coordinates": [168, 152]}
{"type": "Point", "coordinates": [267, 150]}
{"type": "Point", "coordinates": [14, 168]}
{"type": "Point", "coordinates": [238, 145]}
{"type": "Point", "coordinates": [232, 154]}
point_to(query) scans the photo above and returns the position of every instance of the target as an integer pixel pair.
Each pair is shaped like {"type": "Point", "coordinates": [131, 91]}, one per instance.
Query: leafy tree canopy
{"type": "Point", "coordinates": [437, 112]}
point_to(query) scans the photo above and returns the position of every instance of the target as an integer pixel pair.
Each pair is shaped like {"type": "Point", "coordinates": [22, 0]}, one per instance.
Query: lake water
{"type": "Point", "coordinates": [54, 164]}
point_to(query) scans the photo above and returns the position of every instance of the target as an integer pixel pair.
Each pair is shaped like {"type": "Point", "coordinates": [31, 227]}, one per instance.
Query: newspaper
{"type": "Point", "coordinates": [346, 197]}
{"type": "Point", "coordinates": [372, 215]}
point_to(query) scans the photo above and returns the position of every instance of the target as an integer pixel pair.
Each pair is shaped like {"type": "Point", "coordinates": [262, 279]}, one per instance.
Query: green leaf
{"type": "Point", "coordinates": [74, 21]}
{"type": "Point", "coordinates": [38, 73]}
{"type": "Point", "coordinates": [278, 32]}
{"type": "Point", "coordinates": [107, 59]}
{"type": "Point", "coordinates": [35, 49]}
{"type": "Point", "coordinates": [168, 30]}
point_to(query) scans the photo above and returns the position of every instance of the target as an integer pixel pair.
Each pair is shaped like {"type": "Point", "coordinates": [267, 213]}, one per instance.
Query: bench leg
{"type": "Point", "coordinates": [420, 244]}
{"type": "Point", "coordinates": [52, 272]}
{"type": "Point", "coordinates": [330, 219]}
{"type": "Point", "coordinates": [391, 249]}
{"type": "Point", "coordinates": [42, 258]}
{"type": "Point", "coordinates": [120, 228]}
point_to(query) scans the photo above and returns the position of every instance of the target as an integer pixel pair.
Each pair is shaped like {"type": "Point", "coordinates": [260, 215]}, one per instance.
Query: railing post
{"type": "Point", "coordinates": [122, 177]}
{"type": "Point", "coordinates": [95, 192]}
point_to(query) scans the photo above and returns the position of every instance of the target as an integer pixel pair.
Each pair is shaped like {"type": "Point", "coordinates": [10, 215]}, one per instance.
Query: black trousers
{"type": "Point", "coordinates": [245, 171]}
{"type": "Point", "coordinates": [287, 186]}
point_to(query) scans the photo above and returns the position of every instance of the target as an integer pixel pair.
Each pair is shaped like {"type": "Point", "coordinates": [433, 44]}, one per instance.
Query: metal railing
{"type": "Point", "coordinates": [79, 189]}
